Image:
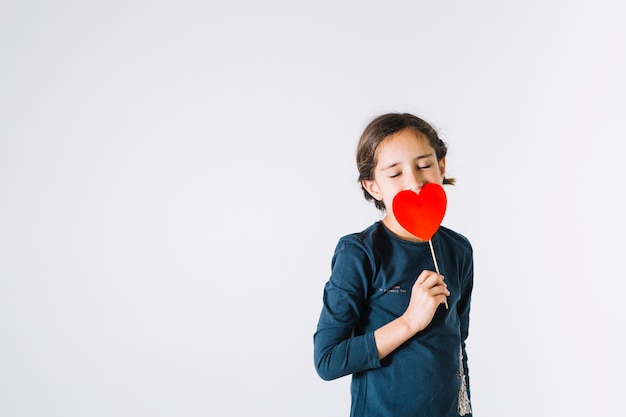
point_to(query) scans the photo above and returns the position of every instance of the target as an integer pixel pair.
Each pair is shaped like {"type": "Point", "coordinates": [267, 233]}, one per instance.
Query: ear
{"type": "Point", "coordinates": [373, 190]}
{"type": "Point", "coordinates": [442, 166]}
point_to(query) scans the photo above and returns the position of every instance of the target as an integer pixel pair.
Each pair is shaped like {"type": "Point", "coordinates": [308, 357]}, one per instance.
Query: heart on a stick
{"type": "Point", "coordinates": [421, 214]}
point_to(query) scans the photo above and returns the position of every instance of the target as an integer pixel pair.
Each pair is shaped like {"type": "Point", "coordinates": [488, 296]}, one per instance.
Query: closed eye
{"type": "Point", "coordinates": [424, 167]}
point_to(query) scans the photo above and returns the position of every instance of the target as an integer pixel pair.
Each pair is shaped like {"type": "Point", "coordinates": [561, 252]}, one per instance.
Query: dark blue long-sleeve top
{"type": "Point", "coordinates": [373, 273]}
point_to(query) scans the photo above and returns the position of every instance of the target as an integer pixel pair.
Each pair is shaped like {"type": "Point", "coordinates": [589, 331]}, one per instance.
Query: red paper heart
{"type": "Point", "coordinates": [421, 214]}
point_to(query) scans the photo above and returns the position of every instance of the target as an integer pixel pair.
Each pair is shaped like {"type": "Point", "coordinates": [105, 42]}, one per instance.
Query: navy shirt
{"type": "Point", "coordinates": [370, 285]}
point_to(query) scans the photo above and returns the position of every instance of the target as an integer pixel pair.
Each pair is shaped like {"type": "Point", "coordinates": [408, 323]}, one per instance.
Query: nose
{"type": "Point", "coordinates": [414, 181]}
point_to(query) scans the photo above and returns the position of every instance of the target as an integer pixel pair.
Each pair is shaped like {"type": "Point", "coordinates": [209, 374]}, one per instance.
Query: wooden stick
{"type": "Point", "coordinates": [432, 252]}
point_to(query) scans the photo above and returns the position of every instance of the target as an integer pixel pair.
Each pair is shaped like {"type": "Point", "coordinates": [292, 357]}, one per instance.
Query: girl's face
{"type": "Point", "coordinates": [405, 161]}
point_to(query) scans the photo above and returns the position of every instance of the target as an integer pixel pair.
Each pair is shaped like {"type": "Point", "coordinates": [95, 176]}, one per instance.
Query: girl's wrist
{"type": "Point", "coordinates": [412, 326]}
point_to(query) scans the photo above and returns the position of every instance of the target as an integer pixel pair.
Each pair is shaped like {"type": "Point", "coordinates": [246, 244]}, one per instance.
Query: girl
{"type": "Point", "coordinates": [384, 318]}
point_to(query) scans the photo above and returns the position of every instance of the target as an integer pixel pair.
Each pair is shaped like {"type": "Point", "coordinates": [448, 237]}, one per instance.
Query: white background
{"type": "Point", "coordinates": [174, 177]}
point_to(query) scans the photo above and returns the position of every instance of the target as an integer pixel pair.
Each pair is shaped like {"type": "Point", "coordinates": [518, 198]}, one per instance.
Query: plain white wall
{"type": "Point", "coordinates": [174, 177]}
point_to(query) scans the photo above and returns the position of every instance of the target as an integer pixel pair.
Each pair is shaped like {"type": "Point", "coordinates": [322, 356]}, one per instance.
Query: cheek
{"type": "Point", "coordinates": [436, 175]}
{"type": "Point", "coordinates": [391, 190]}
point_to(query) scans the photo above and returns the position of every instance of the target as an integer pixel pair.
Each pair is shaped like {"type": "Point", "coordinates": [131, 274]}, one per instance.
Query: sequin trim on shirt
{"type": "Point", "coordinates": [463, 405]}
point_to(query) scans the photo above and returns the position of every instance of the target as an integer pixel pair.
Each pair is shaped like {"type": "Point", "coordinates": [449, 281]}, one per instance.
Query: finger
{"type": "Point", "coordinates": [434, 279]}
{"type": "Point", "coordinates": [444, 301]}
{"type": "Point", "coordinates": [439, 290]}
{"type": "Point", "coordinates": [424, 276]}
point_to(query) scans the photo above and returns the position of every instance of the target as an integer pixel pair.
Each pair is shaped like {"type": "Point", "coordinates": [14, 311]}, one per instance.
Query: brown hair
{"type": "Point", "coordinates": [380, 128]}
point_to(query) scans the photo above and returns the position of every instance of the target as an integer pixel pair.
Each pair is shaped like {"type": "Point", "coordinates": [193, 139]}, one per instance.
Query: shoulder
{"type": "Point", "coordinates": [455, 239]}
{"type": "Point", "coordinates": [363, 244]}
{"type": "Point", "coordinates": [354, 260]}
{"type": "Point", "coordinates": [364, 240]}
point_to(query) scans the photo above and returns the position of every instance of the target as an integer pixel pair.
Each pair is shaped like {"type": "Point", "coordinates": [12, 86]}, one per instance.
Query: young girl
{"type": "Point", "coordinates": [384, 317]}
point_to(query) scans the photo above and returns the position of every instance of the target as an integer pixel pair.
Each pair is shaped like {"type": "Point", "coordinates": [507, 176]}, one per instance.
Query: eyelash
{"type": "Point", "coordinates": [418, 167]}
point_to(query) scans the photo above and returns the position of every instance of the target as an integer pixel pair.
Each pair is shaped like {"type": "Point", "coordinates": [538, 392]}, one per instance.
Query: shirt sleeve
{"type": "Point", "coordinates": [467, 284]}
{"type": "Point", "coordinates": [339, 347]}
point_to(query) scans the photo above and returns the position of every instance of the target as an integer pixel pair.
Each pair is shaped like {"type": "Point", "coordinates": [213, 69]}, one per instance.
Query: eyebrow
{"type": "Point", "coordinates": [416, 159]}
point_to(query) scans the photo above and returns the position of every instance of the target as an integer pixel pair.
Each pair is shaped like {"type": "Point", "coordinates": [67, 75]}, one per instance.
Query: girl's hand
{"type": "Point", "coordinates": [428, 292]}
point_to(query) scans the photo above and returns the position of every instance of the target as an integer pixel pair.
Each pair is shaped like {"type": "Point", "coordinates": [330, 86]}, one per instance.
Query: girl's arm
{"type": "Point", "coordinates": [464, 311]}
{"type": "Point", "coordinates": [339, 349]}
{"type": "Point", "coordinates": [428, 292]}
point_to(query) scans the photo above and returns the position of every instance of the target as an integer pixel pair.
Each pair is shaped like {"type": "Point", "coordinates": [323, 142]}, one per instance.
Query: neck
{"type": "Point", "coordinates": [394, 227]}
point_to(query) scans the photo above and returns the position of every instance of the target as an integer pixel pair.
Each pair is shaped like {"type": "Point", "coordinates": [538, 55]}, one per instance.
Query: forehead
{"type": "Point", "coordinates": [406, 144]}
